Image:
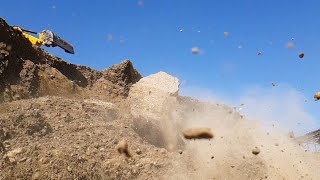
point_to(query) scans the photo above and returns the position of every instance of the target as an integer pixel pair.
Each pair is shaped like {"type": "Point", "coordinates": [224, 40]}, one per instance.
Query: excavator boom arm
{"type": "Point", "coordinates": [46, 38]}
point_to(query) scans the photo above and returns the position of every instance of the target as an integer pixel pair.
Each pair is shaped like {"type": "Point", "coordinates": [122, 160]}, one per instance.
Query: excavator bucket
{"type": "Point", "coordinates": [63, 44]}
{"type": "Point", "coordinates": [51, 39]}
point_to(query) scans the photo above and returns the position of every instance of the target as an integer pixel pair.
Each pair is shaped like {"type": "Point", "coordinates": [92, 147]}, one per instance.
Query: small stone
{"type": "Point", "coordinates": [163, 151]}
{"type": "Point", "coordinates": [122, 148]}
{"type": "Point", "coordinates": [12, 160]}
{"type": "Point", "coordinates": [195, 50]}
{"type": "Point", "coordinates": [23, 159]}
{"type": "Point", "coordinates": [28, 160]}
{"type": "Point", "coordinates": [301, 55]}
{"type": "Point", "coordinates": [180, 151]}
{"type": "Point", "coordinates": [69, 169]}
{"type": "Point", "coordinates": [9, 48]}
{"type": "Point", "coordinates": [290, 45]}
{"type": "Point", "coordinates": [15, 152]}
{"type": "Point", "coordinates": [317, 96]}
{"type": "Point", "coordinates": [36, 176]}
{"type": "Point", "coordinates": [138, 151]}
{"type": "Point", "coordinates": [88, 153]}
{"type": "Point", "coordinates": [232, 166]}
{"type": "Point", "coordinates": [7, 145]}
{"type": "Point", "coordinates": [198, 133]}
{"type": "Point", "coordinates": [291, 135]}
{"type": "Point", "coordinates": [256, 151]}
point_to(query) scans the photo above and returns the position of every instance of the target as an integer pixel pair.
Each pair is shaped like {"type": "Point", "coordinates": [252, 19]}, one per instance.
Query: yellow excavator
{"type": "Point", "coordinates": [46, 38]}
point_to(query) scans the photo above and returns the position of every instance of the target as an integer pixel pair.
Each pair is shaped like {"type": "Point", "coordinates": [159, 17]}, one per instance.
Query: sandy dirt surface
{"type": "Point", "coordinates": [64, 121]}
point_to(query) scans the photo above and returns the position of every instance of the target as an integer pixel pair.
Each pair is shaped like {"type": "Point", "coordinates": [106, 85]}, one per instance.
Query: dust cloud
{"type": "Point", "coordinates": [232, 152]}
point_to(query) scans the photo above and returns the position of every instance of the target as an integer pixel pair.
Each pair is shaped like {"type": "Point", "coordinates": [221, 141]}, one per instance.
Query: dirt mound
{"type": "Point", "coordinates": [67, 138]}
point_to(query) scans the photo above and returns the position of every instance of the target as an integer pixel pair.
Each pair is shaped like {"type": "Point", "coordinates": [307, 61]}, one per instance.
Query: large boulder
{"type": "Point", "coordinates": [152, 94]}
{"type": "Point", "coordinates": [155, 98]}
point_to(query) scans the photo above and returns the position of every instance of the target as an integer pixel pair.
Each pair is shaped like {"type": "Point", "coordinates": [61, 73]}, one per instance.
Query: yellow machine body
{"type": "Point", "coordinates": [34, 40]}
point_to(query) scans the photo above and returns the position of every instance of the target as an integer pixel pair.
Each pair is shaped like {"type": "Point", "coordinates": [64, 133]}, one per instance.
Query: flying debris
{"type": "Point", "coordinates": [226, 33]}
{"type": "Point", "coordinates": [273, 84]}
{"type": "Point", "coordinates": [317, 96]}
{"type": "Point", "coordinates": [198, 133]}
{"type": "Point", "coordinates": [256, 151]}
{"type": "Point", "coordinates": [259, 53]}
{"type": "Point", "coordinates": [290, 45]}
{"type": "Point", "coordinates": [181, 30]}
{"type": "Point", "coordinates": [141, 3]}
{"type": "Point", "coordinates": [122, 148]}
{"type": "Point", "coordinates": [195, 50]}
{"type": "Point", "coordinates": [109, 37]}
{"type": "Point", "coordinates": [301, 55]}
{"type": "Point", "coordinates": [122, 39]}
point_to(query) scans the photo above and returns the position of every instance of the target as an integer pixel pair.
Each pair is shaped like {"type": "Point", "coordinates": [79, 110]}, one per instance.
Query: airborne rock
{"type": "Point", "coordinates": [198, 133]}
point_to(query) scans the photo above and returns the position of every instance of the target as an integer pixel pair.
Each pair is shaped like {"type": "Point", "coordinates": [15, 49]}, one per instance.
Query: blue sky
{"type": "Point", "coordinates": [107, 32]}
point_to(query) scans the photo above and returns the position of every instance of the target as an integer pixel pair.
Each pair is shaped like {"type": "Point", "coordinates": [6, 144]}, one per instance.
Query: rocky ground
{"type": "Point", "coordinates": [64, 121]}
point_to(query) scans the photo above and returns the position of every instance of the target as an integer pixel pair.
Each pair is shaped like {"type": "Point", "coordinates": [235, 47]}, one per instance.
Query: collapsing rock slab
{"type": "Point", "coordinates": [152, 94]}
{"type": "Point", "coordinates": [155, 98]}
